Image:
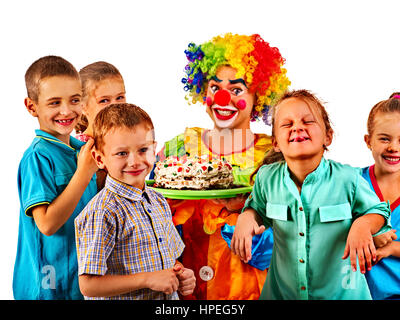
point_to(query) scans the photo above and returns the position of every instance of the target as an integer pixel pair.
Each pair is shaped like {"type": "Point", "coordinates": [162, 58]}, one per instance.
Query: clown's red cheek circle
{"type": "Point", "coordinates": [241, 104]}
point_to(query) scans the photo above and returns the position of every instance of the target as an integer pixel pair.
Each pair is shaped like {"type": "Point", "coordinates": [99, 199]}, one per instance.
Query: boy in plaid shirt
{"type": "Point", "coordinates": [127, 244]}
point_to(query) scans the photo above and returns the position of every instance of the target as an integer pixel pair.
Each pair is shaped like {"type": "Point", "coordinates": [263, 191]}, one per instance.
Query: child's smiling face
{"type": "Point", "coordinates": [299, 131]}
{"type": "Point", "coordinates": [58, 107]}
{"type": "Point", "coordinates": [128, 154]}
{"type": "Point", "coordinates": [384, 142]}
{"type": "Point", "coordinates": [101, 94]}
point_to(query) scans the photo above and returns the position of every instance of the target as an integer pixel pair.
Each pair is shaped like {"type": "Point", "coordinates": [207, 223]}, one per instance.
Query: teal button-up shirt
{"type": "Point", "coordinates": [311, 228]}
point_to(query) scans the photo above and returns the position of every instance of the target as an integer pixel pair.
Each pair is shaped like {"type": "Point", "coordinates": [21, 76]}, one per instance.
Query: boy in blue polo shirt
{"type": "Point", "coordinates": [56, 179]}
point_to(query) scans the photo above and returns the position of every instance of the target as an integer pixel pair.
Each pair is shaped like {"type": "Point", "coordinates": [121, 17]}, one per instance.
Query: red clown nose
{"type": "Point", "coordinates": [222, 98]}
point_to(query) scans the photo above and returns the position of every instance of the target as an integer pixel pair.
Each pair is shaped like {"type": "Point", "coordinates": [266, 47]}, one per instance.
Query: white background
{"type": "Point", "coordinates": [344, 51]}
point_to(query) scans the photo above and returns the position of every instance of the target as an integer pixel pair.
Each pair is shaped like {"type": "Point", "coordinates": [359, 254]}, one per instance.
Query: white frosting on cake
{"type": "Point", "coordinates": [193, 173]}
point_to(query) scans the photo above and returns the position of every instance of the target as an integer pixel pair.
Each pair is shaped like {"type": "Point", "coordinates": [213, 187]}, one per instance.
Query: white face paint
{"type": "Point", "coordinates": [225, 116]}
{"type": "Point", "coordinates": [232, 115]}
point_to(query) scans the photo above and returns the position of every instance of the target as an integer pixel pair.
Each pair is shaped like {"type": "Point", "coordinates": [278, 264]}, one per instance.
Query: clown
{"type": "Point", "coordinates": [237, 78]}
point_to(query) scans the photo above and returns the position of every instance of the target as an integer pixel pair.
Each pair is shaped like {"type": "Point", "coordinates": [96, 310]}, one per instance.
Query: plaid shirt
{"type": "Point", "coordinates": [124, 230]}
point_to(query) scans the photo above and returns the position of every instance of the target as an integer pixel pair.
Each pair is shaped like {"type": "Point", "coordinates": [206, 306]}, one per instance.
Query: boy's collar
{"type": "Point", "coordinates": [126, 190]}
{"type": "Point", "coordinates": [75, 144]}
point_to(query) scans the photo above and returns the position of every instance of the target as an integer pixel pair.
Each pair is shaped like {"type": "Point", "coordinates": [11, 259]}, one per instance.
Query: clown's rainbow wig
{"type": "Point", "coordinates": [256, 62]}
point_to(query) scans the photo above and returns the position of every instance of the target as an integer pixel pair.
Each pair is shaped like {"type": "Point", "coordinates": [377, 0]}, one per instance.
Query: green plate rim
{"type": "Point", "coordinates": [199, 194]}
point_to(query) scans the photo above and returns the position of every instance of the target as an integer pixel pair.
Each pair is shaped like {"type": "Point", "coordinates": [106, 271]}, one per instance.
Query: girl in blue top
{"type": "Point", "coordinates": [321, 211]}
{"type": "Point", "coordinates": [383, 139]}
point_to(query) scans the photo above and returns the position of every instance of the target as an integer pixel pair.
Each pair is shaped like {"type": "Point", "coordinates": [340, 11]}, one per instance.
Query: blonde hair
{"type": "Point", "coordinates": [91, 74]}
{"type": "Point", "coordinates": [386, 106]}
{"type": "Point", "coordinates": [313, 102]}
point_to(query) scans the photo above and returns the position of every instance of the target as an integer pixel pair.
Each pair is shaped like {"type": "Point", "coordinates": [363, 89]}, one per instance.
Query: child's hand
{"type": "Point", "coordinates": [86, 162]}
{"type": "Point", "coordinates": [360, 244]}
{"type": "Point", "coordinates": [165, 281]}
{"type": "Point", "coordinates": [246, 228]}
{"type": "Point", "coordinates": [385, 238]}
{"type": "Point", "coordinates": [232, 204]}
{"type": "Point", "coordinates": [187, 280]}
{"type": "Point", "coordinates": [384, 252]}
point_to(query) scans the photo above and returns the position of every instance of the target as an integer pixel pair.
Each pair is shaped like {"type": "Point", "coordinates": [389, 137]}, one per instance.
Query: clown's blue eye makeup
{"type": "Point", "coordinates": [236, 91]}
{"type": "Point", "coordinates": [214, 88]}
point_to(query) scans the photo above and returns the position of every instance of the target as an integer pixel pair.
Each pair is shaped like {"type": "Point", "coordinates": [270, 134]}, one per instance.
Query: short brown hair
{"type": "Point", "coordinates": [92, 73]}
{"type": "Point", "coordinates": [386, 106]}
{"type": "Point", "coordinates": [118, 115]}
{"type": "Point", "coordinates": [48, 66]}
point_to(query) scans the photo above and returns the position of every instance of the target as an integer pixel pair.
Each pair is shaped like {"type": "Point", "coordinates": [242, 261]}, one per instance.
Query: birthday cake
{"type": "Point", "coordinates": [198, 173]}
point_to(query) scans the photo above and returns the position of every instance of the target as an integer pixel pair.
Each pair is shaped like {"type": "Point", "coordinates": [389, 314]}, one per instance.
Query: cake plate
{"type": "Point", "coordinates": [200, 194]}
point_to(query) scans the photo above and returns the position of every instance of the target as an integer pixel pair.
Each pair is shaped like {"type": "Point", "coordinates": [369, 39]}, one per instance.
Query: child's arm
{"type": "Point", "coordinates": [248, 224]}
{"type": "Point", "coordinates": [360, 243]}
{"type": "Point", "coordinates": [371, 215]}
{"type": "Point", "coordinates": [391, 249]}
{"type": "Point", "coordinates": [109, 285]}
{"type": "Point", "coordinates": [385, 238]}
{"type": "Point", "coordinates": [49, 218]}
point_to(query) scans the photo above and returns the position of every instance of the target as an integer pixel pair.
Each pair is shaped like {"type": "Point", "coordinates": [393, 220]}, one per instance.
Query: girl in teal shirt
{"type": "Point", "coordinates": [322, 212]}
